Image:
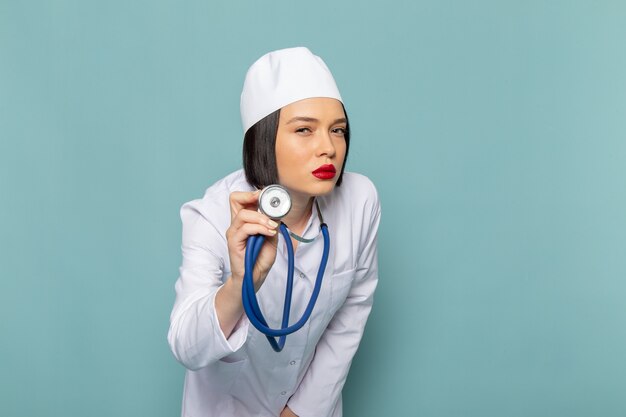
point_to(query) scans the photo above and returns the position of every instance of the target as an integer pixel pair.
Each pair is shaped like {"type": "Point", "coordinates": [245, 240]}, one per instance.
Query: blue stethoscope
{"type": "Point", "coordinates": [275, 202]}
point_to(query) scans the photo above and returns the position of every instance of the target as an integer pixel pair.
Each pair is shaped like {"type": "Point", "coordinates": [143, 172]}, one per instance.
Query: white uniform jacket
{"type": "Point", "coordinates": [242, 376]}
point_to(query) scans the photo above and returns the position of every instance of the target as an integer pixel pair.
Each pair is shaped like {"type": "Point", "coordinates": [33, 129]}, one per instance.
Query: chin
{"type": "Point", "coordinates": [322, 188]}
{"type": "Point", "coordinates": [314, 190]}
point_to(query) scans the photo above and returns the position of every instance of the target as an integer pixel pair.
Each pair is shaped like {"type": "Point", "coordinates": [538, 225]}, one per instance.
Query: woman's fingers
{"type": "Point", "coordinates": [242, 199]}
{"type": "Point", "coordinates": [249, 229]}
{"type": "Point", "coordinates": [246, 221]}
{"type": "Point", "coordinates": [250, 216]}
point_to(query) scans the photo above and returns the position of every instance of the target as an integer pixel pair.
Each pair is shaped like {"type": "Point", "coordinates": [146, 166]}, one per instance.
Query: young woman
{"type": "Point", "coordinates": [296, 135]}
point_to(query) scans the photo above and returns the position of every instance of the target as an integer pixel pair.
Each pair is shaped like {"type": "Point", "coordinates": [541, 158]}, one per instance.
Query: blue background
{"type": "Point", "coordinates": [494, 130]}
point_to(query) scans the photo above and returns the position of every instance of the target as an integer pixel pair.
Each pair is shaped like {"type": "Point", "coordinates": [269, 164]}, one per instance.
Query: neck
{"type": "Point", "coordinates": [301, 208]}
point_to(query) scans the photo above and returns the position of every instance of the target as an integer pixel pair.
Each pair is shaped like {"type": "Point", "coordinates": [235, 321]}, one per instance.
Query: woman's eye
{"type": "Point", "coordinates": [340, 131]}
{"type": "Point", "coordinates": [303, 130]}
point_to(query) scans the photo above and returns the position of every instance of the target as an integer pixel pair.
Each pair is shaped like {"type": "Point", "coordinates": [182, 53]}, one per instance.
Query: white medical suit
{"type": "Point", "coordinates": [241, 375]}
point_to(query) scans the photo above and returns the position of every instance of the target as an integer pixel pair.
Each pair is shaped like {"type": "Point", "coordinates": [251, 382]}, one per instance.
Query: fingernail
{"type": "Point", "coordinates": [272, 231]}
{"type": "Point", "coordinates": [272, 223]}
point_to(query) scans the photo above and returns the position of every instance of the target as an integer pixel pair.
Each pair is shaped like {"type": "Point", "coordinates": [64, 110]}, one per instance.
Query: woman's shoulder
{"type": "Point", "coordinates": [355, 201]}
{"type": "Point", "coordinates": [357, 190]}
{"type": "Point", "coordinates": [214, 206]}
{"type": "Point", "coordinates": [235, 181]}
{"type": "Point", "coordinates": [355, 183]}
{"type": "Point", "coordinates": [353, 211]}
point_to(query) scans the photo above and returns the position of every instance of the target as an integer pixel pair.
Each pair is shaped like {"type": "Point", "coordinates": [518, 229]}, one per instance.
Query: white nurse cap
{"type": "Point", "coordinates": [283, 77]}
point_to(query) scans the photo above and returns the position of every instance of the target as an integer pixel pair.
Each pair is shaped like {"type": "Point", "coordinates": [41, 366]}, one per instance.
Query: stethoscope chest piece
{"type": "Point", "coordinates": [274, 201]}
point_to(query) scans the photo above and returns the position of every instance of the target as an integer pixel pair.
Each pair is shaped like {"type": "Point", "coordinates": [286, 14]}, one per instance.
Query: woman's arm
{"type": "Point", "coordinates": [194, 336]}
{"type": "Point", "coordinates": [245, 222]}
{"type": "Point", "coordinates": [206, 323]}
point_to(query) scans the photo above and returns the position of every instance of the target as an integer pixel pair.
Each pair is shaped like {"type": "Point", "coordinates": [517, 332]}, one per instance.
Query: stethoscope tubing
{"type": "Point", "coordinates": [250, 302]}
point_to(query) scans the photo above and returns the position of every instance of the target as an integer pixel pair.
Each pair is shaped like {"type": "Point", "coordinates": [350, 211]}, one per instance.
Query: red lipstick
{"type": "Point", "coordinates": [325, 172]}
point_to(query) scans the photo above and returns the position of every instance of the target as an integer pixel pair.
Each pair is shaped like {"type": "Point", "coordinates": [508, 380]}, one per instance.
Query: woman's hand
{"type": "Point", "coordinates": [287, 413]}
{"type": "Point", "coordinates": [247, 221]}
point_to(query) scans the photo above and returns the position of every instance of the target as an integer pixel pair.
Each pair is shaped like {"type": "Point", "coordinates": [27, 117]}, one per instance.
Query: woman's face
{"type": "Point", "coordinates": [310, 143]}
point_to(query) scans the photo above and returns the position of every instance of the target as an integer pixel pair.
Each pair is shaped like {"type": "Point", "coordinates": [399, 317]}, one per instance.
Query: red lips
{"type": "Point", "coordinates": [325, 172]}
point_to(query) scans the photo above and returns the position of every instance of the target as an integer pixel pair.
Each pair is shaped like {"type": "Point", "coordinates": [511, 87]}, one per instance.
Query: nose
{"type": "Point", "coordinates": [326, 146]}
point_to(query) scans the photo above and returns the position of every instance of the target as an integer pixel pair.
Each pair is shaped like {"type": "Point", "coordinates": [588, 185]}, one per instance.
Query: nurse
{"type": "Point", "coordinates": [296, 134]}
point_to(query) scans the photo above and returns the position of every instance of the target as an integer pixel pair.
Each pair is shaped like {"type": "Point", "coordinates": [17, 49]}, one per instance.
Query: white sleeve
{"type": "Point", "coordinates": [319, 393]}
{"type": "Point", "coordinates": [195, 336]}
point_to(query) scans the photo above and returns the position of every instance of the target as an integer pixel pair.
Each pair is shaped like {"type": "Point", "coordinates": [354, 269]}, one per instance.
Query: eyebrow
{"type": "Point", "coordinates": [312, 119]}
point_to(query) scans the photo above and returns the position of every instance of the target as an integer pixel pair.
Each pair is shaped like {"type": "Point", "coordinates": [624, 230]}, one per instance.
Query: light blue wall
{"type": "Point", "coordinates": [494, 130]}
